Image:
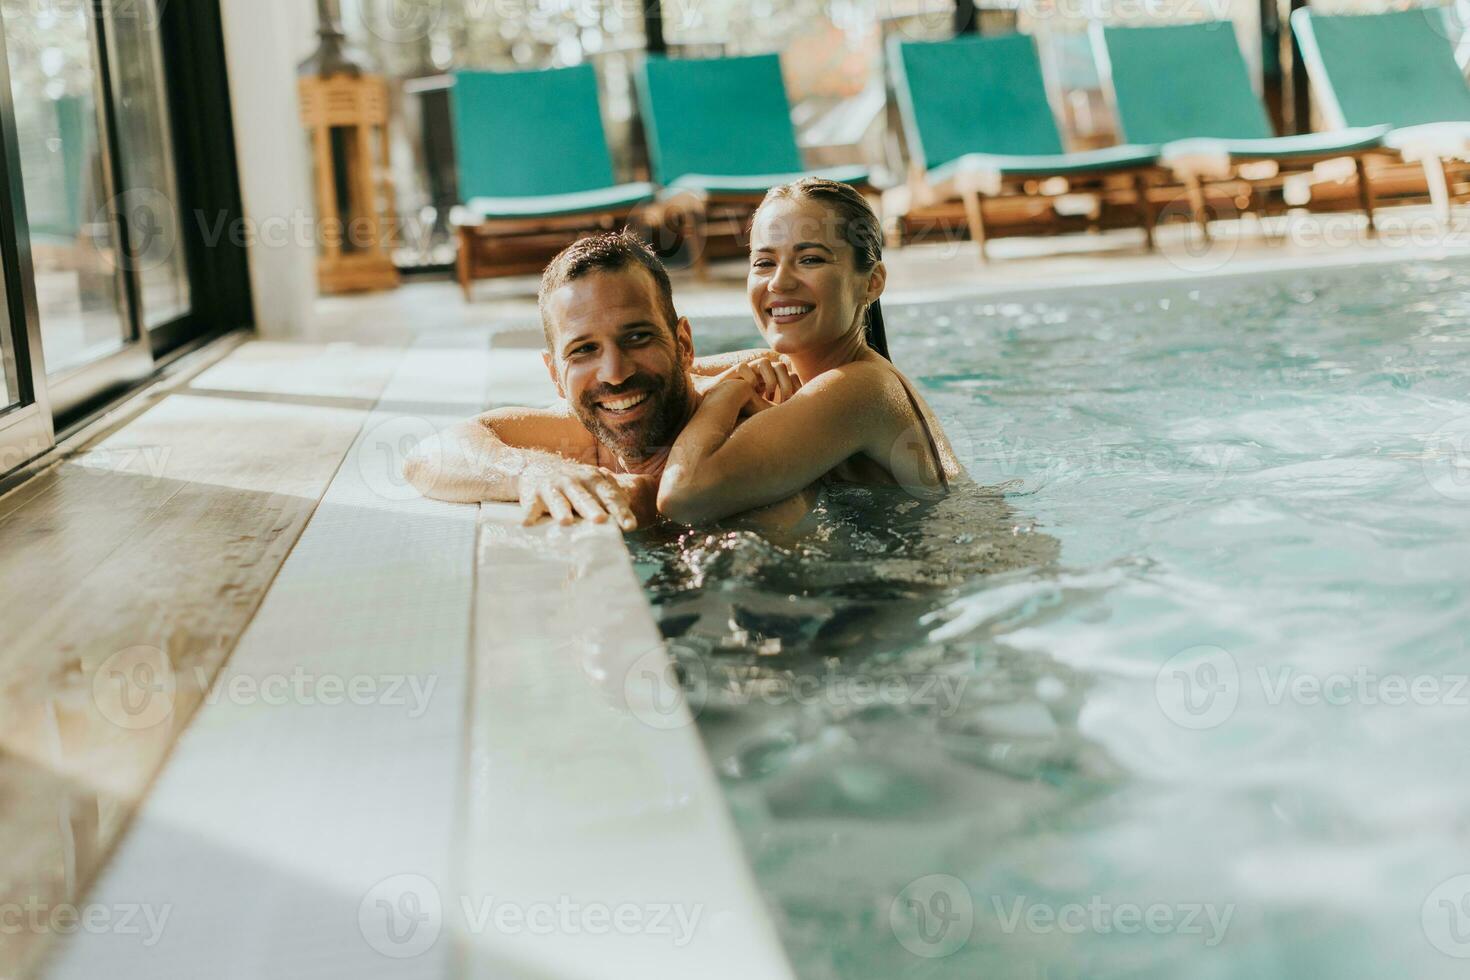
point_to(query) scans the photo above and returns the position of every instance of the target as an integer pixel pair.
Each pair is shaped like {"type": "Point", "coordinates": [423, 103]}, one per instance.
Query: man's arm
{"type": "Point", "coordinates": [710, 365]}
{"type": "Point", "coordinates": [543, 458]}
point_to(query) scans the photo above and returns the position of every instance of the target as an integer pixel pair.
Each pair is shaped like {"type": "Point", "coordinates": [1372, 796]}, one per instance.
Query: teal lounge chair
{"type": "Point", "coordinates": [1397, 69]}
{"type": "Point", "coordinates": [980, 128]}
{"type": "Point", "coordinates": [719, 136]}
{"type": "Point", "coordinates": [1207, 117]}
{"type": "Point", "coordinates": [534, 169]}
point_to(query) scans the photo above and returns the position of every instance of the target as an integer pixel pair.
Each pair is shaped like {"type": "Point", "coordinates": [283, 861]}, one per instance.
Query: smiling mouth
{"type": "Point", "coordinates": [790, 312]}
{"type": "Point", "coordinates": [623, 404]}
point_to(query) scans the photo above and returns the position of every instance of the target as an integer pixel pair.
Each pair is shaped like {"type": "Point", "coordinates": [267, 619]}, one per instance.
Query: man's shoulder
{"type": "Point", "coordinates": [557, 412]}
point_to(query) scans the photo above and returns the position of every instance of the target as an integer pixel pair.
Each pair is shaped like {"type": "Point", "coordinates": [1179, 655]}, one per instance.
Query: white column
{"type": "Point", "coordinates": [264, 42]}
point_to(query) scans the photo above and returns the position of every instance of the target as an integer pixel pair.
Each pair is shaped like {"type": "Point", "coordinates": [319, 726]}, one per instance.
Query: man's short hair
{"type": "Point", "coordinates": [607, 251]}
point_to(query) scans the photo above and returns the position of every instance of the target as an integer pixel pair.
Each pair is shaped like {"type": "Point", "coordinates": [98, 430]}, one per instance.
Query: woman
{"type": "Point", "coordinates": [827, 403]}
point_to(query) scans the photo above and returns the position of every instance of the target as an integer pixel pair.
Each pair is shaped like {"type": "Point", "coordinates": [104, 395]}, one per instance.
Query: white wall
{"type": "Point", "coordinates": [264, 41]}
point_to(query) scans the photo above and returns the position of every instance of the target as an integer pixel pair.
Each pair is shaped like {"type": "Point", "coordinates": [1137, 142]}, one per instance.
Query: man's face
{"type": "Point", "coordinates": [623, 370]}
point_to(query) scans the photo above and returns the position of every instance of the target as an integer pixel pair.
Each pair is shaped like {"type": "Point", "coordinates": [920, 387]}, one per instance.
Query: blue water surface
{"type": "Point", "coordinates": [1178, 689]}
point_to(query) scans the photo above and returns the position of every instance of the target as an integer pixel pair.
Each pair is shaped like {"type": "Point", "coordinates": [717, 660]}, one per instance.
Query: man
{"type": "Point", "coordinates": [621, 359]}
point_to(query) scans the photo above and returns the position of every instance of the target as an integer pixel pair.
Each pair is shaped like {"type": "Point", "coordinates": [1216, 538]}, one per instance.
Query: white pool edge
{"type": "Point", "coordinates": [589, 791]}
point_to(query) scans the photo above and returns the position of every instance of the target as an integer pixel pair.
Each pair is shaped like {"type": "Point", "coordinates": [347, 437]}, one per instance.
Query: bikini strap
{"type": "Point", "coordinates": [924, 424]}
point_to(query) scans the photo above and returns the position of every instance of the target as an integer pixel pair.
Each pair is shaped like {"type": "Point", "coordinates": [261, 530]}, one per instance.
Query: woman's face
{"type": "Point", "coordinates": [804, 286]}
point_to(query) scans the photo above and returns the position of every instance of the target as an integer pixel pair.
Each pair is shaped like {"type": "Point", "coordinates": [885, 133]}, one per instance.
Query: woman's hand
{"type": "Point", "coordinates": [741, 391]}
{"type": "Point", "coordinates": [772, 378]}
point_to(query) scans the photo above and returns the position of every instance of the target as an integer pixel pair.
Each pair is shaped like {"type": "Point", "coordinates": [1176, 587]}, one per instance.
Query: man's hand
{"type": "Point", "coordinates": [642, 496]}
{"type": "Point", "coordinates": [574, 490]}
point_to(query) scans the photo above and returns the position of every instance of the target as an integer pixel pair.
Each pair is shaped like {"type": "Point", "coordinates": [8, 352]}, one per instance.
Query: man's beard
{"type": "Point", "coordinates": [653, 431]}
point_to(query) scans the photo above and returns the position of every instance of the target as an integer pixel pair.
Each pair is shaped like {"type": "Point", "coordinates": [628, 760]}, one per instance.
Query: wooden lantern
{"type": "Point", "coordinates": [345, 113]}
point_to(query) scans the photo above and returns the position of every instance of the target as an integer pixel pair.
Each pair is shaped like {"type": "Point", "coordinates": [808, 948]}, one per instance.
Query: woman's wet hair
{"type": "Point", "coordinates": [858, 226]}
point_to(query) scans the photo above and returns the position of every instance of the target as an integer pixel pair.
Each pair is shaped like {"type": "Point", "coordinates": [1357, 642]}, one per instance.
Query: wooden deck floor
{"type": "Point", "coordinates": [129, 574]}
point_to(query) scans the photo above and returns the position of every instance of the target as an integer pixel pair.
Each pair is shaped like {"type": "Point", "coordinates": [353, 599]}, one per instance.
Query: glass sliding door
{"type": "Point", "coordinates": [149, 186]}
{"type": "Point", "coordinates": [25, 412]}
{"type": "Point", "coordinates": [9, 373]}
{"type": "Point", "coordinates": [64, 162]}
{"type": "Point", "coordinates": [25, 422]}
{"type": "Point", "coordinates": [115, 125]}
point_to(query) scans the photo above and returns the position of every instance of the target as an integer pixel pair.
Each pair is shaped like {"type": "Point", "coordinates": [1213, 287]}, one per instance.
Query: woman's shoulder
{"type": "Point", "coordinates": [866, 375]}
{"type": "Point", "coordinates": [874, 382]}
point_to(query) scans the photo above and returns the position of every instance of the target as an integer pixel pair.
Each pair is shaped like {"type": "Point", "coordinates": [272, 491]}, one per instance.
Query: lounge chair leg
{"type": "Point", "coordinates": [465, 262]}
{"type": "Point", "coordinates": [1196, 191]}
{"type": "Point", "coordinates": [1365, 193]}
{"type": "Point", "coordinates": [1145, 212]}
{"type": "Point", "coordinates": [1439, 190]}
{"type": "Point", "coordinates": [695, 219]}
{"type": "Point", "coordinates": [975, 220]}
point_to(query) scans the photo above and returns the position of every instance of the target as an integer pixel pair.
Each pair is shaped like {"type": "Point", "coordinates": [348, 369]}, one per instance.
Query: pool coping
{"type": "Point", "coordinates": [580, 719]}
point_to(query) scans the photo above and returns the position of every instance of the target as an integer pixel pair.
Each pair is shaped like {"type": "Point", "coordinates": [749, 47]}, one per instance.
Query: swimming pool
{"type": "Point", "coordinates": [1180, 690]}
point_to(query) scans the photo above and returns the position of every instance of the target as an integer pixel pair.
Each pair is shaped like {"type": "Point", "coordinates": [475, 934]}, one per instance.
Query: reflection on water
{"type": "Point", "coordinates": [1206, 717]}
{"type": "Point", "coordinates": [852, 692]}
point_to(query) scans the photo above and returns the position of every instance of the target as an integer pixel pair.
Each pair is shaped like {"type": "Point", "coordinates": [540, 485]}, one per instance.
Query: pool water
{"type": "Point", "coordinates": [1181, 688]}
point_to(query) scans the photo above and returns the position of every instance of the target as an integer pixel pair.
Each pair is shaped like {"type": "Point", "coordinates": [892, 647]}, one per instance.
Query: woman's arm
{"type": "Point", "coordinates": [721, 466]}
